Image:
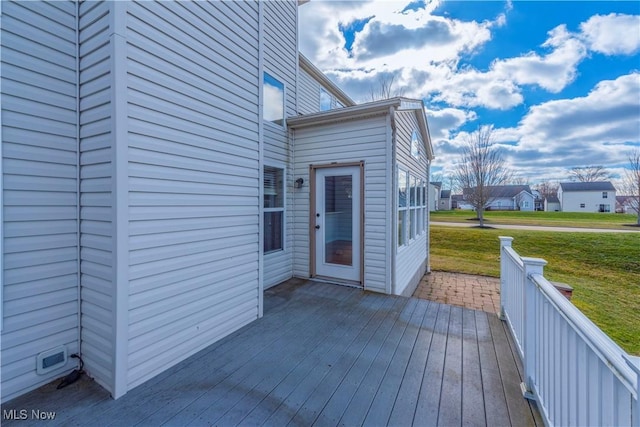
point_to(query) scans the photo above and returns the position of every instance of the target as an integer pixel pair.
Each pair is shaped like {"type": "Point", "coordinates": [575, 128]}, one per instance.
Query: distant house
{"type": "Point", "coordinates": [508, 198]}
{"type": "Point", "coordinates": [434, 195]}
{"type": "Point", "coordinates": [597, 196]}
{"type": "Point", "coordinates": [445, 200]}
{"type": "Point", "coordinates": [457, 202]}
{"type": "Point", "coordinates": [627, 204]}
{"type": "Point", "coordinates": [552, 204]}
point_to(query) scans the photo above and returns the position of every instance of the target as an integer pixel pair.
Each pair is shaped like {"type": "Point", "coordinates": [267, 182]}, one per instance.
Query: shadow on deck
{"type": "Point", "coordinates": [323, 355]}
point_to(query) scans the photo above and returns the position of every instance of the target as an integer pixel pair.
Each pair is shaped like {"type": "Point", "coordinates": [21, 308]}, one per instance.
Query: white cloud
{"type": "Point", "coordinates": [613, 34]}
{"type": "Point", "coordinates": [444, 121]}
{"type": "Point", "coordinates": [553, 71]}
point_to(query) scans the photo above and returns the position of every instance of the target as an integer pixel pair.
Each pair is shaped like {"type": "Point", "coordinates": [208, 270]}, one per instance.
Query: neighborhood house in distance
{"type": "Point", "coordinates": [164, 163]}
{"type": "Point", "coordinates": [571, 197]}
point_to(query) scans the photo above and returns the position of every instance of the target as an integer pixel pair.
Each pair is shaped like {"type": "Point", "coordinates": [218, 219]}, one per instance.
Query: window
{"type": "Point", "coordinates": [273, 182]}
{"type": "Point", "coordinates": [582, 205]}
{"type": "Point", "coordinates": [605, 195]}
{"type": "Point", "coordinates": [273, 99]}
{"type": "Point", "coordinates": [402, 207]}
{"type": "Point", "coordinates": [413, 203]}
{"type": "Point", "coordinates": [326, 100]}
{"type": "Point", "coordinates": [604, 208]}
{"type": "Point", "coordinates": [415, 145]}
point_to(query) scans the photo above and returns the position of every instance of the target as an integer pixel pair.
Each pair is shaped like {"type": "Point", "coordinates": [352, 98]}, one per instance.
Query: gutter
{"type": "Point", "coordinates": [394, 201]}
{"type": "Point", "coordinates": [347, 113]}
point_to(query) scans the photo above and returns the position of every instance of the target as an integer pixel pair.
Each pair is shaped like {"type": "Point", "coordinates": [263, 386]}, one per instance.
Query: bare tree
{"type": "Point", "coordinates": [385, 88]}
{"type": "Point", "coordinates": [547, 189]}
{"type": "Point", "coordinates": [589, 173]}
{"type": "Point", "coordinates": [481, 167]}
{"type": "Point", "coordinates": [631, 181]}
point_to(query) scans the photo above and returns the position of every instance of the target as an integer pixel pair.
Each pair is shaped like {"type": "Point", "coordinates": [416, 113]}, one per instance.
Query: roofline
{"type": "Point", "coordinates": [339, 114]}
{"type": "Point", "coordinates": [306, 65]}
{"type": "Point", "coordinates": [368, 109]}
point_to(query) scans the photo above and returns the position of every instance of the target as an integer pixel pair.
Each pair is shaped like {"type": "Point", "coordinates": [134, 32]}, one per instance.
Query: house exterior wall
{"type": "Point", "coordinates": [434, 196]}
{"type": "Point", "coordinates": [39, 177]}
{"type": "Point", "coordinates": [411, 260]}
{"type": "Point", "coordinates": [308, 93]}
{"type": "Point", "coordinates": [348, 141]}
{"type": "Point", "coordinates": [97, 225]}
{"type": "Point", "coordinates": [281, 62]}
{"type": "Point", "coordinates": [445, 204]}
{"type": "Point", "coordinates": [571, 201]}
{"type": "Point", "coordinates": [193, 140]}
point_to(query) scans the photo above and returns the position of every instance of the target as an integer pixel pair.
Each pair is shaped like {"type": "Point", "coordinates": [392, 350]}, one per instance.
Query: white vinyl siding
{"type": "Point", "coordinates": [192, 131]}
{"type": "Point", "coordinates": [39, 146]}
{"type": "Point", "coordinates": [583, 201]}
{"type": "Point", "coordinates": [308, 93]}
{"type": "Point", "coordinates": [280, 61]}
{"type": "Point", "coordinates": [350, 141]}
{"type": "Point", "coordinates": [411, 259]}
{"type": "Point", "coordinates": [96, 196]}
{"type": "Point", "coordinates": [311, 92]}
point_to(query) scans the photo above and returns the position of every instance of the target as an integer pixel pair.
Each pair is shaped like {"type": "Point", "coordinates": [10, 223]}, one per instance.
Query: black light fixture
{"type": "Point", "coordinates": [299, 182]}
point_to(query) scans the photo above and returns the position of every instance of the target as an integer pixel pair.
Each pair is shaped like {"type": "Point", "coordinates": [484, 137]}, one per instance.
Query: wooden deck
{"type": "Point", "coordinates": [323, 355]}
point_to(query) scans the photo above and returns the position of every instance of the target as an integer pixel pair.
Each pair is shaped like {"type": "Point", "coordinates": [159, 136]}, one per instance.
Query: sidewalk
{"type": "Point", "coordinates": [465, 290]}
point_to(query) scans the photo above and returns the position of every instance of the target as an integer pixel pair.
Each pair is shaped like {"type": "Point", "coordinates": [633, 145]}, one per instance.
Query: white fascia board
{"type": "Point", "coordinates": [341, 114]}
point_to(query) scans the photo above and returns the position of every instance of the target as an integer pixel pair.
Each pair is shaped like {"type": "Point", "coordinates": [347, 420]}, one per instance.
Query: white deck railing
{"type": "Point", "coordinates": [574, 371]}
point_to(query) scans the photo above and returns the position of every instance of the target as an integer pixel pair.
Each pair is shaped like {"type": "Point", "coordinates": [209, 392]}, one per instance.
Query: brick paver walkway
{"type": "Point", "coordinates": [465, 290]}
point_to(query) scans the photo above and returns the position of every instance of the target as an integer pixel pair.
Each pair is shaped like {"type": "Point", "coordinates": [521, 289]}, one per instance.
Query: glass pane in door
{"type": "Point", "coordinates": [338, 230]}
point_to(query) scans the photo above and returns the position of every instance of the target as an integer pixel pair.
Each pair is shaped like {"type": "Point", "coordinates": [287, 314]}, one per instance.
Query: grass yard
{"type": "Point", "coordinates": [602, 268]}
{"type": "Point", "coordinates": [550, 219]}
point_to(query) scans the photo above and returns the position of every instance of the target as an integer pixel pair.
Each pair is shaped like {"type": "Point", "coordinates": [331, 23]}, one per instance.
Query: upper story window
{"type": "Point", "coordinates": [273, 99]}
{"type": "Point", "coordinates": [415, 145]}
{"type": "Point", "coordinates": [605, 195]}
{"type": "Point", "coordinates": [326, 100]}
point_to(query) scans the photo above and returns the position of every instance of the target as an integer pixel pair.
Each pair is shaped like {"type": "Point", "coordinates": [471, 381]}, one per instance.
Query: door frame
{"type": "Point", "coordinates": [312, 216]}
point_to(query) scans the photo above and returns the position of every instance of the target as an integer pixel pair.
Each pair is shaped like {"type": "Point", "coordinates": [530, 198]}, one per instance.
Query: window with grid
{"type": "Point", "coordinates": [274, 195]}
{"type": "Point", "coordinates": [413, 206]}
{"type": "Point", "coordinates": [402, 206]}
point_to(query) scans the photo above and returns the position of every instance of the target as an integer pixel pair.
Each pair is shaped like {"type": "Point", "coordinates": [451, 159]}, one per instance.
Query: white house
{"type": "Point", "coordinates": [509, 197]}
{"type": "Point", "coordinates": [163, 163]}
{"type": "Point", "coordinates": [445, 200]}
{"type": "Point", "coordinates": [552, 204]}
{"type": "Point", "coordinates": [434, 191]}
{"type": "Point", "coordinates": [587, 196]}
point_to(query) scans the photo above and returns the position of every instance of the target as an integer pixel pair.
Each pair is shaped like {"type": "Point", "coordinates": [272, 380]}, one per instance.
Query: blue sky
{"type": "Point", "coordinates": [559, 81]}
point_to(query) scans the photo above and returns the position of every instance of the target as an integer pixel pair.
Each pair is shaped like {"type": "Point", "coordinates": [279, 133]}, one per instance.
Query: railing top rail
{"type": "Point", "coordinates": [610, 353]}
{"type": "Point", "coordinates": [513, 255]}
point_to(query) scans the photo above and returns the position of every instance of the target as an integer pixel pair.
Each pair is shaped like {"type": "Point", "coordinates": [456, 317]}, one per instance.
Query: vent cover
{"type": "Point", "coordinates": [50, 360]}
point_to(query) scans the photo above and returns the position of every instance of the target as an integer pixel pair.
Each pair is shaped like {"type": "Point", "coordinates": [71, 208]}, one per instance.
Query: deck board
{"type": "Point", "coordinates": [323, 355]}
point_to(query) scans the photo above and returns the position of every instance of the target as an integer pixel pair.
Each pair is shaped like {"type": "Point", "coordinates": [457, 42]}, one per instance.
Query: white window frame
{"type": "Point", "coordinates": [413, 208]}
{"type": "Point", "coordinates": [284, 100]}
{"type": "Point", "coordinates": [605, 195]}
{"type": "Point", "coordinates": [404, 209]}
{"type": "Point", "coordinates": [282, 209]}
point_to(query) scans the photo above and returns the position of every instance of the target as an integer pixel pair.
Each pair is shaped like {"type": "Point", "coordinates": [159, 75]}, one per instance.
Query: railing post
{"type": "Point", "coordinates": [505, 242]}
{"type": "Point", "coordinates": [531, 266]}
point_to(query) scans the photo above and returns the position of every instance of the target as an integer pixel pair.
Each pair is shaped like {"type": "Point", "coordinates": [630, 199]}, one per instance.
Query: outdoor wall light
{"type": "Point", "coordinates": [299, 182]}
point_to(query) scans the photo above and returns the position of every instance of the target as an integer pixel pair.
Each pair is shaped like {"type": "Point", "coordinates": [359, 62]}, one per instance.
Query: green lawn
{"type": "Point", "coordinates": [557, 219]}
{"type": "Point", "coordinates": [602, 268]}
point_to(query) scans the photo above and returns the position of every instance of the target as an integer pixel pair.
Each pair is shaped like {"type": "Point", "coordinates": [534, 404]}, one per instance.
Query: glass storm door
{"type": "Point", "coordinates": [337, 222]}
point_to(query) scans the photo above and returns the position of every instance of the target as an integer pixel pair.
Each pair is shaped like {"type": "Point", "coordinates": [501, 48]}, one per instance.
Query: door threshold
{"type": "Point", "coordinates": [341, 282]}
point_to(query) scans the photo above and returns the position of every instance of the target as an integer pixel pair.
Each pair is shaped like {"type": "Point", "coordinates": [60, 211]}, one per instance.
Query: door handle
{"type": "Point", "coordinates": [317, 227]}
